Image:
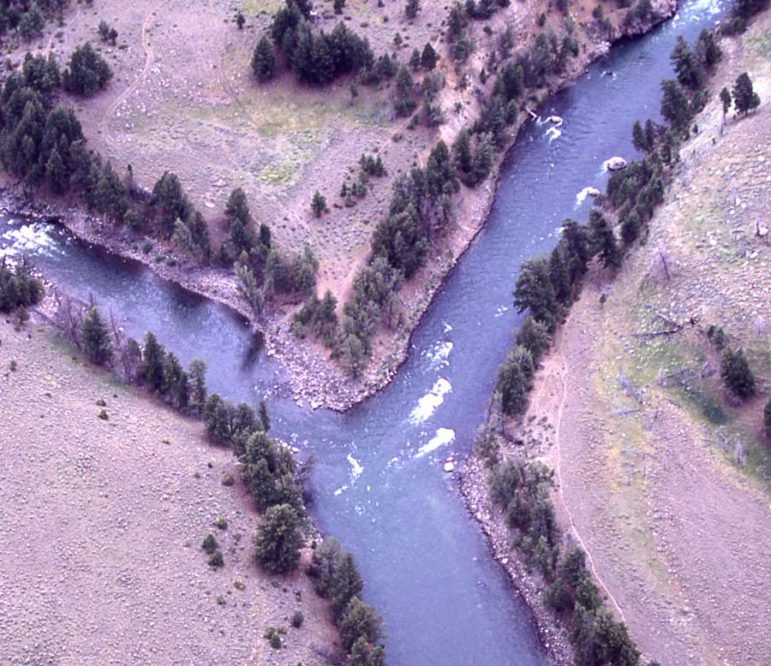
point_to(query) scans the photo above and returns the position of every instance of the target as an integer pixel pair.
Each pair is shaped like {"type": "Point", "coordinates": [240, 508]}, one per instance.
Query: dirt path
{"type": "Point", "coordinates": [149, 56]}
{"type": "Point", "coordinates": [556, 368]}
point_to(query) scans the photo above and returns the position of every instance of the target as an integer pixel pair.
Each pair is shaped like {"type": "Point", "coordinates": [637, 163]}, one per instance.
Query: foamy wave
{"type": "Point", "coordinates": [439, 354]}
{"type": "Point", "coordinates": [356, 468]}
{"type": "Point", "coordinates": [586, 192]}
{"type": "Point", "coordinates": [553, 134]}
{"type": "Point", "coordinates": [430, 402]}
{"type": "Point", "coordinates": [28, 238]}
{"type": "Point", "coordinates": [443, 437]}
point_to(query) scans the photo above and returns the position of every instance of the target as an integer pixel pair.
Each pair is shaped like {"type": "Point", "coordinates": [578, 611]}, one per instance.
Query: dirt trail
{"type": "Point", "coordinates": [555, 368]}
{"type": "Point", "coordinates": [149, 55]}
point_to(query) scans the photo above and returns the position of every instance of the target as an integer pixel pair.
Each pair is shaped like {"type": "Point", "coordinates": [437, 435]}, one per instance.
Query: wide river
{"type": "Point", "coordinates": [379, 484]}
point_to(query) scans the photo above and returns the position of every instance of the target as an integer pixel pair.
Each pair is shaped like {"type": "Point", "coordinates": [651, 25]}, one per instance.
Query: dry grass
{"type": "Point", "coordinates": [102, 522]}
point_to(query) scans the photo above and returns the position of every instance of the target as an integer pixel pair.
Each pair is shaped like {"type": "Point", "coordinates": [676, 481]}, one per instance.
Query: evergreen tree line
{"type": "Point", "coordinates": [27, 17]}
{"type": "Point", "coordinates": [313, 57]}
{"type": "Point", "coordinates": [523, 492]}
{"type": "Point", "coordinates": [742, 12]}
{"type": "Point", "coordinates": [43, 144]}
{"type": "Point", "coordinates": [262, 270]}
{"type": "Point", "coordinates": [336, 578]}
{"type": "Point", "coordinates": [19, 288]}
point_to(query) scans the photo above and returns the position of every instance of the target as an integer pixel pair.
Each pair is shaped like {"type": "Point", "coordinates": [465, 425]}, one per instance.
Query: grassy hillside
{"type": "Point", "coordinates": [661, 474]}
{"type": "Point", "coordinates": [103, 521]}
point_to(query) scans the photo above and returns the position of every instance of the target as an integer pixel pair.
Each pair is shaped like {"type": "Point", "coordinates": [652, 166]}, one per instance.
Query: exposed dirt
{"type": "Point", "coordinates": [102, 522]}
{"type": "Point", "coordinates": [661, 479]}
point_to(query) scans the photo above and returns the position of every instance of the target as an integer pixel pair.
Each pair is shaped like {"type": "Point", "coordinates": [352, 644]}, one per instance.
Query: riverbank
{"type": "Point", "coordinates": [660, 476]}
{"type": "Point", "coordinates": [473, 485]}
{"type": "Point", "coordinates": [315, 378]}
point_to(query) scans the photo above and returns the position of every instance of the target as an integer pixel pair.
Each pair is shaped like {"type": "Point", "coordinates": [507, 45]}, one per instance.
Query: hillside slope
{"type": "Point", "coordinates": [102, 524]}
{"type": "Point", "coordinates": [660, 476]}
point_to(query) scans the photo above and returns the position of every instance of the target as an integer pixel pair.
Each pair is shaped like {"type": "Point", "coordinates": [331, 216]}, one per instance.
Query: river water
{"type": "Point", "coordinates": [378, 483]}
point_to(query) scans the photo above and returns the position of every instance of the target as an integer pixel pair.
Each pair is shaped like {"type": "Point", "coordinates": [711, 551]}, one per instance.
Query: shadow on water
{"type": "Point", "coordinates": [378, 483]}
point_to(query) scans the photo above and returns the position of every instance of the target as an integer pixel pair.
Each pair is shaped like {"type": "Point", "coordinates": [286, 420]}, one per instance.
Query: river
{"type": "Point", "coordinates": [378, 483]}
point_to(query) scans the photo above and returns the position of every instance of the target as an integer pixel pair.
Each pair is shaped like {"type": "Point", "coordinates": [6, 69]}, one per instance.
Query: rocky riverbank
{"type": "Point", "coordinates": [529, 585]}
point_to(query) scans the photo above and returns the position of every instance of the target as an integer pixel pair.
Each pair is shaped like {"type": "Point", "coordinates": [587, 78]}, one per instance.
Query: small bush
{"type": "Point", "coordinates": [297, 619]}
{"type": "Point", "coordinates": [209, 544]}
{"type": "Point", "coordinates": [221, 523]}
{"type": "Point", "coordinates": [216, 560]}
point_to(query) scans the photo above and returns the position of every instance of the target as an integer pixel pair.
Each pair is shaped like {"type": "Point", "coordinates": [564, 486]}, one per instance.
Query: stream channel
{"type": "Point", "coordinates": [378, 484]}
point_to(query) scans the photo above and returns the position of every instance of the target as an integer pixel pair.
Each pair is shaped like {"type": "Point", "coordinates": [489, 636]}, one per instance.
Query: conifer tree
{"type": "Point", "coordinates": [96, 338]}
{"type": "Point", "coordinates": [264, 60]}
{"type": "Point", "coordinates": [745, 98]}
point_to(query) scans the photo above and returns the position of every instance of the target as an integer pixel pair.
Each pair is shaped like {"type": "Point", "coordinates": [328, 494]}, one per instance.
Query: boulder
{"type": "Point", "coordinates": [615, 163]}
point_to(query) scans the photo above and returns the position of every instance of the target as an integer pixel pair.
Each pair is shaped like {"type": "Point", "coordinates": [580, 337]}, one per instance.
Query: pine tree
{"type": "Point", "coordinates": [153, 355]}
{"type": "Point", "coordinates": [534, 291]}
{"type": "Point", "coordinates": [96, 338]}
{"type": "Point", "coordinates": [56, 173]}
{"type": "Point", "coordinates": [412, 8]}
{"type": "Point", "coordinates": [278, 539]}
{"type": "Point", "coordinates": [745, 98]}
{"type": "Point", "coordinates": [404, 105]}
{"type": "Point", "coordinates": [175, 385]}
{"type": "Point", "coordinates": [264, 60]}
{"type": "Point", "coordinates": [87, 72]}
{"type": "Point", "coordinates": [708, 50]}
{"type": "Point", "coordinates": [603, 241]}
{"type": "Point", "coordinates": [240, 20]}
{"type": "Point", "coordinates": [170, 203]}
{"type": "Point", "coordinates": [639, 140]}
{"type": "Point", "coordinates": [319, 204]}
{"type": "Point", "coordinates": [428, 57]}
{"type": "Point", "coordinates": [674, 105]}
{"type": "Point", "coordinates": [688, 70]}
{"type": "Point", "coordinates": [415, 60]}
{"type": "Point", "coordinates": [534, 336]}
{"type": "Point", "coordinates": [512, 386]}
{"type": "Point", "coordinates": [364, 653]}
{"type": "Point", "coordinates": [196, 373]}
{"type": "Point", "coordinates": [345, 585]}
{"type": "Point", "coordinates": [736, 373]}
{"type": "Point", "coordinates": [358, 620]}
{"type": "Point", "coordinates": [725, 99]}
{"type": "Point", "coordinates": [216, 416]}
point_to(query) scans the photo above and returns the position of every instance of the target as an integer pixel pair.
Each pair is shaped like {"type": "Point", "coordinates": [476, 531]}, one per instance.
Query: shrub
{"type": "Point", "coordinates": [18, 287]}
{"type": "Point", "coordinates": [209, 544]}
{"type": "Point", "coordinates": [297, 619]}
{"type": "Point", "coordinates": [736, 373]}
{"type": "Point", "coordinates": [216, 560]}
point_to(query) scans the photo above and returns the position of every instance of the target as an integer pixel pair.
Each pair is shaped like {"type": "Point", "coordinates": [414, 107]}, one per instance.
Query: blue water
{"type": "Point", "coordinates": [379, 484]}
